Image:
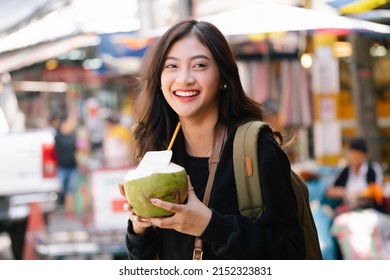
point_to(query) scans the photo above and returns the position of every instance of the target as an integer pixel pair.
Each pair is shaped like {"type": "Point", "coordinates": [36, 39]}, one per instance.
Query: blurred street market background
{"type": "Point", "coordinates": [321, 69]}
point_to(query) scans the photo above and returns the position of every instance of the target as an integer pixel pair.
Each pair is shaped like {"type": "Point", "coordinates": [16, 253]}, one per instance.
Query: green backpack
{"type": "Point", "coordinates": [250, 199]}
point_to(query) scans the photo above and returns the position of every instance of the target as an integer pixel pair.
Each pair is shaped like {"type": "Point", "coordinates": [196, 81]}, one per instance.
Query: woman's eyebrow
{"type": "Point", "coordinates": [200, 56]}
{"type": "Point", "coordinates": [192, 57]}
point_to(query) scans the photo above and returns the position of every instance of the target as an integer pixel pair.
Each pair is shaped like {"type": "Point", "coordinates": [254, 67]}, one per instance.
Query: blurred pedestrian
{"type": "Point", "coordinates": [66, 151]}
{"type": "Point", "coordinates": [191, 76]}
{"type": "Point", "coordinates": [116, 143]}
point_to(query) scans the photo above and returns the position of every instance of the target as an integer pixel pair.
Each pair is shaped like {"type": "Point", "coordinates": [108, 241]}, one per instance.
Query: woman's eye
{"type": "Point", "coordinates": [170, 66]}
{"type": "Point", "coordinates": [200, 65]}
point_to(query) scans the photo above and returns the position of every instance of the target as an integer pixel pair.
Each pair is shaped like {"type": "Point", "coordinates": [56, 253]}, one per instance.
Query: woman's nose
{"type": "Point", "coordinates": [185, 77]}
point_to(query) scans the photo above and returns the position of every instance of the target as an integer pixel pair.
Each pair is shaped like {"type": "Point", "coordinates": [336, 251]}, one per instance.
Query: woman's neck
{"type": "Point", "coordinates": [199, 137]}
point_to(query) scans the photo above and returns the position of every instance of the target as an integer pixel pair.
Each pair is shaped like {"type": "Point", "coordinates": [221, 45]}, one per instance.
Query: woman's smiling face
{"type": "Point", "coordinates": [190, 79]}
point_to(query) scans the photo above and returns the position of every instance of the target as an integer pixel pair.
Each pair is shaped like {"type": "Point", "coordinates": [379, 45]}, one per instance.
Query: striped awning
{"type": "Point", "coordinates": [356, 6]}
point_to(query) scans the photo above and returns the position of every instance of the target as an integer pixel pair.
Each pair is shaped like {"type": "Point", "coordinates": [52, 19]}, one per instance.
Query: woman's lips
{"type": "Point", "coordinates": [187, 93]}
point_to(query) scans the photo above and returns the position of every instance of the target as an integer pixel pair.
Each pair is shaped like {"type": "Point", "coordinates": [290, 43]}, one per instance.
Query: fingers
{"type": "Point", "coordinates": [172, 207]}
{"type": "Point", "coordinates": [190, 187]}
{"type": "Point", "coordinates": [122, 189]}
{"type": "Point", "coordinates": [127, 207]}
{"type": "Point", "coordinates": [136, 220]}
{"type": "Point", "coordinates": [191, 194]}
{"type": "Point", "coordinates": [191, 191]}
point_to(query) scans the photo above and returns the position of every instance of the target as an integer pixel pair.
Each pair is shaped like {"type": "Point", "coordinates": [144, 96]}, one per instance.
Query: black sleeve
{"type": "Point", "coordinates": [276, 234]}
{"type": "Point", "coordinates": [141, 247]}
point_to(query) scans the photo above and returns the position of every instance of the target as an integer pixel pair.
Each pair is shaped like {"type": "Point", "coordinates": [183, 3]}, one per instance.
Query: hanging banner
{"type": "Point", "coordinates": [121, 53]}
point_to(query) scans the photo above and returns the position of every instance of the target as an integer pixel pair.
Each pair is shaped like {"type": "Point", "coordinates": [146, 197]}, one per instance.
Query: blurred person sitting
{"type": "Point", "coordinates": [360, 183]}
{"type": "Point", "coordinates": [116, 143]}
{"type": "Point", "coordinates": [357, 193]}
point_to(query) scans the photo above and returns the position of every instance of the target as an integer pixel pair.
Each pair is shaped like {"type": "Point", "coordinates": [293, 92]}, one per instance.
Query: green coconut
{"type": "Point", "coordinates": [167, 182]}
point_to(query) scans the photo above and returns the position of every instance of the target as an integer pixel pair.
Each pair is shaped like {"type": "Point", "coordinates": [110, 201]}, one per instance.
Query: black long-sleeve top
{"type": "Point", "coordinates": [229, 235]}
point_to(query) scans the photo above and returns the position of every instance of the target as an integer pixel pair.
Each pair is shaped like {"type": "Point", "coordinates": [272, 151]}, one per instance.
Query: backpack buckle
{"type": "Point", "coordinates": [197, 254]}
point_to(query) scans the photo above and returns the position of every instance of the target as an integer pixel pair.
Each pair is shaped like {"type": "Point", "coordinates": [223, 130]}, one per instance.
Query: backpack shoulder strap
{"type": "Point", "coordinates": [246, 169]}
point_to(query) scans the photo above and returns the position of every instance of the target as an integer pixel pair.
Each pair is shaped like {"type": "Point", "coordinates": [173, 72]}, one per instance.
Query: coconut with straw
{"type": "Point", "coordinates": [156, 177]}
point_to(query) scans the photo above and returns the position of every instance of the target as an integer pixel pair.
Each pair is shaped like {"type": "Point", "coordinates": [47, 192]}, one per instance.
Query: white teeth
{"type": "Point", "coordinates": [186, 93]}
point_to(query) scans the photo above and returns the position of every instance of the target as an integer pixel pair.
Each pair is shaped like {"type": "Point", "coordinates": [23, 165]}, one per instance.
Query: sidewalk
{"type": "Point", "coordinates": [96, 230]}
{"type": "Point", "coordinates": [74, 237]}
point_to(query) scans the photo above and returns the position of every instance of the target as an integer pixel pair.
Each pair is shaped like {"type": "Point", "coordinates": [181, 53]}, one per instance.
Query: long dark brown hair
{"type": "Point", "coordinates": [157, 120]}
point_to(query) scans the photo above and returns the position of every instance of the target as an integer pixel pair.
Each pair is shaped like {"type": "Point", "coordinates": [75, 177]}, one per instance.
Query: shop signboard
{"type": "Point", "coordinates": [108, 213]}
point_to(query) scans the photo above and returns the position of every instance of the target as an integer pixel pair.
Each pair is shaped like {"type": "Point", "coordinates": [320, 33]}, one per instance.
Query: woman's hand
{"type": "Point", "coordinates": [191, 218]}
{"type": "Point", "coordinates": [139, 224]}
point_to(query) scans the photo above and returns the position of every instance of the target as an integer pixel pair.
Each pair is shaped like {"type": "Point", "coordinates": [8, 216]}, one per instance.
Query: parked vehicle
{"type": "Point", "coordinates": [27, 170]}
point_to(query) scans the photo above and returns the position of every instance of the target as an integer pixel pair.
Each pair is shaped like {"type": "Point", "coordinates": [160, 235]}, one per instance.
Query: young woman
{"type": "Point", "coordinates": [190, 75]}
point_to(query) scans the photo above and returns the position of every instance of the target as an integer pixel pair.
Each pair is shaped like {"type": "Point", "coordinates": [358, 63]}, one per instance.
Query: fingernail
{"type": "Point", "coordinates": [153, 200]}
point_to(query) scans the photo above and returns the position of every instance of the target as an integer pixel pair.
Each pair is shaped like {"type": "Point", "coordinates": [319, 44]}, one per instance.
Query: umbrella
{"type": "Point", "coordinates": [267, 18]}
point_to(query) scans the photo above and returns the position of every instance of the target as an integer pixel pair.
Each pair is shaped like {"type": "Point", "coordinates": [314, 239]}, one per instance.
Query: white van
{"type": "Point", "coordinates": [27, 171]}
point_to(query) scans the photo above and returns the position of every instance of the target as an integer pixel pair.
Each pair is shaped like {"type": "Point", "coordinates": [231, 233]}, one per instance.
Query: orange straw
{"type": "Point", "coordinates": [174, 136]}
